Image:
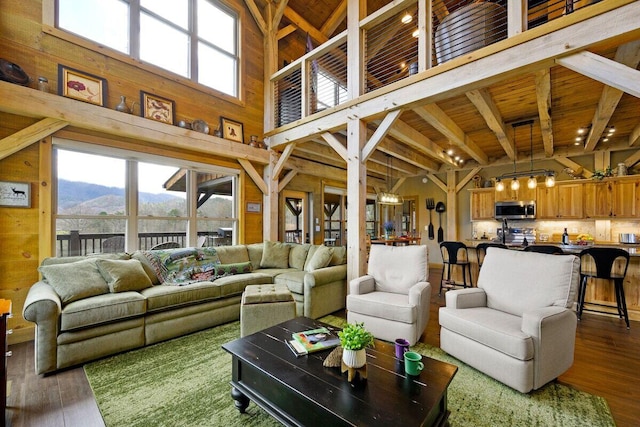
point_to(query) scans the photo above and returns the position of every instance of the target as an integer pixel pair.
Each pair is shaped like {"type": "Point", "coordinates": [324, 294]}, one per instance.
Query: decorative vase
{"type": "Point", "coordinates": [122, 106]}
{"type": "Point", "coordinates": [354, 358]}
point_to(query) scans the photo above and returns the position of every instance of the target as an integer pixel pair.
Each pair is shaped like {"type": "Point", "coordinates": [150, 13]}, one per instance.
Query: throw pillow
{"type": "Point", "coordinates": [320, 259]}
{"type": "Point", "coordinates": [76, 280]}
{"type": "Point", "coordinates": [122, 276]}
{"type": "Point", "coordinates": [275, 255]}
{"type": "Point", "coordinates": [223, 270]}
{"type": "Point", "coordinates": [339, 255]}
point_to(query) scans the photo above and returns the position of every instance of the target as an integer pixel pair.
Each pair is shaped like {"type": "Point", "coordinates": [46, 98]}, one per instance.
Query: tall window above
{"type": "Point", "coordinates": [197, 39]}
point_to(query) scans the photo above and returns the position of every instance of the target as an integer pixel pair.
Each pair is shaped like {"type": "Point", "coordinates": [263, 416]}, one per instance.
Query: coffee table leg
{"type": "Point", "coordinates": [240, 400]}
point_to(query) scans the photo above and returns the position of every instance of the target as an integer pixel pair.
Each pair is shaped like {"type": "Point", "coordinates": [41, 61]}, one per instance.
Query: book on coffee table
{"type": "Point", "coordinates": [314, 340]}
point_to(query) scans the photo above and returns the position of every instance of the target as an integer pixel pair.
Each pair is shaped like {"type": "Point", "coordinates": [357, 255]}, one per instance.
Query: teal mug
{"type": "Point", "coordinates": [413, 363]}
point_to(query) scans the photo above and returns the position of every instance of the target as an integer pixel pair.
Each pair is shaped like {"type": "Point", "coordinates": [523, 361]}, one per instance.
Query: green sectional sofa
{"type": "Point", "coordinates": [89, 307]}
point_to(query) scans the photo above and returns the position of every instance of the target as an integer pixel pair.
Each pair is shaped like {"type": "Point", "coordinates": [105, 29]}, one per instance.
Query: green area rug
{"type": "Point", "coordinates": [185, 382]}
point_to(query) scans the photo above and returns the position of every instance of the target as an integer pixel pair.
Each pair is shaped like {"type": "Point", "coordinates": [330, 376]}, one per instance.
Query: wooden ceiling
{"type": "Point", "coordinates": [482, 120]}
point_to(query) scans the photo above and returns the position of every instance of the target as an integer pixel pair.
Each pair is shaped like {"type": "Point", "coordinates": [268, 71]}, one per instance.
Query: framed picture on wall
{"type": "Point", "coordinates": [232, 130]}
{"type": "Point", "coordinates": [81, 86]}
{"type": "Point", "coordinates": [254, 207]}
{"type": "Point", "coordinates": [15, 194]}
{"type": "Point", "coordinates": [157, 108]}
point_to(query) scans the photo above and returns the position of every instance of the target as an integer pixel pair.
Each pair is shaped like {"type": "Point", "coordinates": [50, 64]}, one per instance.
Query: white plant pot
{"type": "Point", "coordinates": [354, 358]}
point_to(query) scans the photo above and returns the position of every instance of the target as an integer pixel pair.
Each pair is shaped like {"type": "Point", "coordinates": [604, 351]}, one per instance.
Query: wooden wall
{"type": "Point", "coordinates": [24, 41]}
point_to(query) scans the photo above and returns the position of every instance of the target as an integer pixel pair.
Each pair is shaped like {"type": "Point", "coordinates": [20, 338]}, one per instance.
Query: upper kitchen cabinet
{"type": "Point", "coordinates": [482, 204]}
{"type": "Point", "coordinates": [618, 198]}
{"type": "Point", "coordinates": [524, 193]}
{"type": "Point", "coordinates": [562, 201]}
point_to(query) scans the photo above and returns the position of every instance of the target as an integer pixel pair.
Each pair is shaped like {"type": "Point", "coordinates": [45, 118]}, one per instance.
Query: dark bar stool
{"type": "Point", "coordinates": [481, 250]}
{"type": "Point", "coordinates": [604, 260]}
{"type": "Point", "coordinates": [451, 255]}
{"type": "Point", "coordinates": [545, 249]}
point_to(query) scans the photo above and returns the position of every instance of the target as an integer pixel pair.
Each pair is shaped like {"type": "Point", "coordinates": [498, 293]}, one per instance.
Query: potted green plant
{"type": "Point", "coordinates": [354, 338]}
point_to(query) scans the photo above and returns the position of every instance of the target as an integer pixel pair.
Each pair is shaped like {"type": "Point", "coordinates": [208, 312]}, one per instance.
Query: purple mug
{"type": "Point", "coordinates": [402, 346]}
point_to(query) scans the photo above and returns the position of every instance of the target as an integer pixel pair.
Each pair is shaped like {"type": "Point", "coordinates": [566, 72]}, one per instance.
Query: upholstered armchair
{"type": "Point", "coordinates": [518, 326]}
{"type": "Point", "coordinates": [393, 298]}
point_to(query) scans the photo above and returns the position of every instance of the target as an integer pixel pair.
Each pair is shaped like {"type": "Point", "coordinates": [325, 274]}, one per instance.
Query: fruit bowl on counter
{"type": "Point", "coordinates": [583, 240]}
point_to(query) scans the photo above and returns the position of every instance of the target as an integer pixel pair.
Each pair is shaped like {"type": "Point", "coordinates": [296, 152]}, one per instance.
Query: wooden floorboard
{"type": "Point", "coordinates": [607, 364]}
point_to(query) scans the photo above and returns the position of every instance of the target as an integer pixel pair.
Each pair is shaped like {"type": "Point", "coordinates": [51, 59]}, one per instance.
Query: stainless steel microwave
{"type": "Point", "coordinates": [515, 210]}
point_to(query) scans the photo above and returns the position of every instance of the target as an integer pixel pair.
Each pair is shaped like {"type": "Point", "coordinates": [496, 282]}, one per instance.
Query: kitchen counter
{"type": "Point", "coordinates": [633, 249]}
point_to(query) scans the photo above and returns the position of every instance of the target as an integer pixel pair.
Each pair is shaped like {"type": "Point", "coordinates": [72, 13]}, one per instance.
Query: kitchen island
{"type": "Point", "coordinates": [601, 292]}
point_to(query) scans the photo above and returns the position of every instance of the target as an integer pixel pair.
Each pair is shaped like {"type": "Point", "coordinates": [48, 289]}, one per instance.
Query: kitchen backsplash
{"type": "Point", "coordinates": [549, 228]}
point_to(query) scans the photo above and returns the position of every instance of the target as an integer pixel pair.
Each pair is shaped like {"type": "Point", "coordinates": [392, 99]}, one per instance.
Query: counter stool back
{"type": "Point", "coordinates": [545, 249]}
{"type": "Point", "coordinates": [608, 264]}
{"type": "Point", "coordinates": [454, 253]}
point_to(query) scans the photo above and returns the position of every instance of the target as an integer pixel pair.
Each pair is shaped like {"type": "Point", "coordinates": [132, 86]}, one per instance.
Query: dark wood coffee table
{"type": "Point", "coordinates": [300, 391]}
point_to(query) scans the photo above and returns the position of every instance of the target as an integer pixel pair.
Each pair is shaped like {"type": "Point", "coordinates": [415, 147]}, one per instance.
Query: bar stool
{"type": "Point", "coordinates": [545, 249]}
{"type": "Point", "coordinates": [481, 250]}
{"type": "Point", "coordinates": [451, 252]}
{"type": "Point", "coordinates": [604, 260]}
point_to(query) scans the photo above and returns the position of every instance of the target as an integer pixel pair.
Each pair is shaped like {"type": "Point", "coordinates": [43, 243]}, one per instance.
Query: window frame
{"type": "Point", "coordinates": [132, 215]}
{"type": "Point", "coordinates": [49, 26]}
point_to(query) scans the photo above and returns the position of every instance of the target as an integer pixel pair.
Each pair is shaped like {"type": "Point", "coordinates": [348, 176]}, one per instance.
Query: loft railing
{"type": "Point", "coordinates": [76, 243]}
{"type": "Point", "coordinates": [401, 40]}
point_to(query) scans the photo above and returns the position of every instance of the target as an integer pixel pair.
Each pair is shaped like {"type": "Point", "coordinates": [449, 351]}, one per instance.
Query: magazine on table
{"type": "Point", "coordinates": [313, 340]}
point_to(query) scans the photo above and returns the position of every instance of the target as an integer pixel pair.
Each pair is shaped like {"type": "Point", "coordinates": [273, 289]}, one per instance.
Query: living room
{"type": "Point", "coordinates": [31, 39]}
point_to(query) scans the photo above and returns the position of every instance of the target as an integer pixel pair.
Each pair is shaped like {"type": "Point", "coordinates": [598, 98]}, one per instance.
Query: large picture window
{"type": "Point", "coordinates": [197, 39]}
{"type": "Point", "coordinates": [114, 202]}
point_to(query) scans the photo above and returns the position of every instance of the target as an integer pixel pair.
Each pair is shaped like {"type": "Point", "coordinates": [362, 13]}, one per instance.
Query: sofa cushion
{"type": "Point", "coordinates": [76, 280]}
{"type": "Point", "coordinates": [413, 258]}
{"type": "Point", "coordinates": [493, 328]}
{"type": "Point", "coordinates": [255, 254]}
{"type": "Point", "coordinates": [101, 309]}
{"type": "Point", "coordinates": [146, 266]}
{"type": "Point", "coordinates": [339, 256]}
{"type": "Point", "coordinates": [234, 285]}
{"type": "Point", "coordinates": [123, 275]}
{"type": "Point", "coordinates": [298, 255]}
{"type": "Point", "coordinates": [70, 259]}
{"type": "Point", "coordinates": [167, 296]}
{"type": "Point", "coordinates": [383, 305]}
{"type": "Point", "coordinates": [320, 259]}
{"type": "Point", "coordinates": [518, 281]}
{"type": "Point", "coordinates": [232, 254]}
{"type": "Point", "coordinates": [275, 255]}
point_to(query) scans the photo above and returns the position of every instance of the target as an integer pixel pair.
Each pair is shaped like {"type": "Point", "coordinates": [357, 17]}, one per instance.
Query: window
{"type": "Point", "coordinates": [197, 39]}
{"type": "Point", "coordinates": [330, 92]}
{"type": "Point", "coordinates": [111, 202]}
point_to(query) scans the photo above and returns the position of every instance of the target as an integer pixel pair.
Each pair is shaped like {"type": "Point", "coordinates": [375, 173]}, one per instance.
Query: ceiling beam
{"type": "Point", "coordinates": [304, 25]}
{"type": "Point", "coordinates": [416, 140]}
{"type": "Point", "coordinates": [437, 118]}
{"type": "Point", "coordinates": [627, 56]}
{"type": "Point", "coordinates": [481, 98]}
{"type": "Point", "coordinates": [337, 146]}
{"type": "Point", "coordinates": [577, 168]}
{"type": "Point", "coordinates": [338, 15]}
{"type": "Point", "coordinates": [634, 138]}
{"type": "Point", "coordinates": [27, 136]}
{"type": "Point", "coordinates": [379, 134]}
{"type": "Point", "coordinates": [257, 15]}
{"type": "Point", "coordinates": [284, 32]}
{"type": "Point", "coordinates": [543, 97]}
{"type": "Point", "coordinates": [254, 175]}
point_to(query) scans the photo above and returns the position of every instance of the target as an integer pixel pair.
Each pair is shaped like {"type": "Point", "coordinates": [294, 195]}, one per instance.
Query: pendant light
{"type": "Point", "coordinates": [388, 197]}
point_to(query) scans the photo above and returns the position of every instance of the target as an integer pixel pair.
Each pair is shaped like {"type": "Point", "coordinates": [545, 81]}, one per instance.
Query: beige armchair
{"type": "Point", "coordinates": [393, 298]}
{"type": "Point", "coordinates": [518, 326]}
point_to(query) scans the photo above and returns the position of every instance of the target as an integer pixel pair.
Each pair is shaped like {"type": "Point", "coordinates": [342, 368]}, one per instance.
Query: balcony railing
{"type": "Point", "coordinates": [401, 40]}
{"type": "Point", "coordinates": [76, 243]}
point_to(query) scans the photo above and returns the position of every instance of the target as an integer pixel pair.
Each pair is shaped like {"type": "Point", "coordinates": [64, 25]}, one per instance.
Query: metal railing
{"type": "Point", "coordinates": [76, 243]}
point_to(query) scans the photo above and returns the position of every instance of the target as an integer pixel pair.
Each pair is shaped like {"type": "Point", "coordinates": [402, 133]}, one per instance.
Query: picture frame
{"type": "Point", "coordinates": [254, 207]}
{"type": "Point", "coordinates": [232, 130]}
{"type": "Point", "coordinates": [15, 194]}
{"type": "Point", "coordinates": [82, 86]}
{"type": "Point", "coordinates": [157, 108]}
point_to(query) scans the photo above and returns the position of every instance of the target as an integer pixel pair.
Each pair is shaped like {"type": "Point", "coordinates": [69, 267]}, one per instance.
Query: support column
{"type": "Point", "coordinates": [356, 199]}
{"type": "Point", "coordinates": [270, 199]}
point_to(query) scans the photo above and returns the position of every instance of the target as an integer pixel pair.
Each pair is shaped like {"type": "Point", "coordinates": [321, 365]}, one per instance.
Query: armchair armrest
{"type": "Point", "coordinates": [553, 330]}
{"type": "Point", "coordinates": [362, 285]}
{"type": "Point", "coordinates": [466, 298]}
{"type": "Point", "coordinates": [43, 307]}
{"type": "Point", "coordinates": [420, 296]}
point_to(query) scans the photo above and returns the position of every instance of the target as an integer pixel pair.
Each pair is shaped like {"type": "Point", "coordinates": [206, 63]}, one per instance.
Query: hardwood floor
{"type": "Point", "coordinates": [607, 363]}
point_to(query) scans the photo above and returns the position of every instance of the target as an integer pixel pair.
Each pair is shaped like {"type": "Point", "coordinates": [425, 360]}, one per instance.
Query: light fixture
{"type": "Point", "coordinates": [532, 182]}
{"type": "Point", "coordinates": [406, 18]}
{"type": "Point", "coordinates": [388, 197]}
{"type": "Point", "coordinates": [415, 33]}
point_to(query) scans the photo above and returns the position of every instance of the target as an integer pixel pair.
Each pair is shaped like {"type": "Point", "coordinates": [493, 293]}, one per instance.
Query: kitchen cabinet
{"type": "Point", "coordinates": [561, 201]}
{"type": "Point", "coordinates": [482, 203]}
{"type": "Point", "coordinates": [612, 198]}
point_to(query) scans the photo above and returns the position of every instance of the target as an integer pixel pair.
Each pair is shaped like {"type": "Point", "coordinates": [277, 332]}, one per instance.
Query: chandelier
{"type": "Point", "coordinates": [388, 197]}
{"type": "Point", "coordinates": [533, 174]}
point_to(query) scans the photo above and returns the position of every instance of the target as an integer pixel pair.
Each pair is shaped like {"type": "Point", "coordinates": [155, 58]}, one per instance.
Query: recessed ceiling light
{"type": "Point", "coordinates": [576, 143]}
{"type": "Point", "coordinates": [581, 131]}
{"type": "Point", "coordinates": [605, 139]}
{"type": "Point", "coordinates": [450, 152]}
{"type": "Point", "coordinates": [578, 139]}
{"type": "Point", "coordinates": [407, 18]}
{"type": "Point", "coordinates": [416, 33]}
